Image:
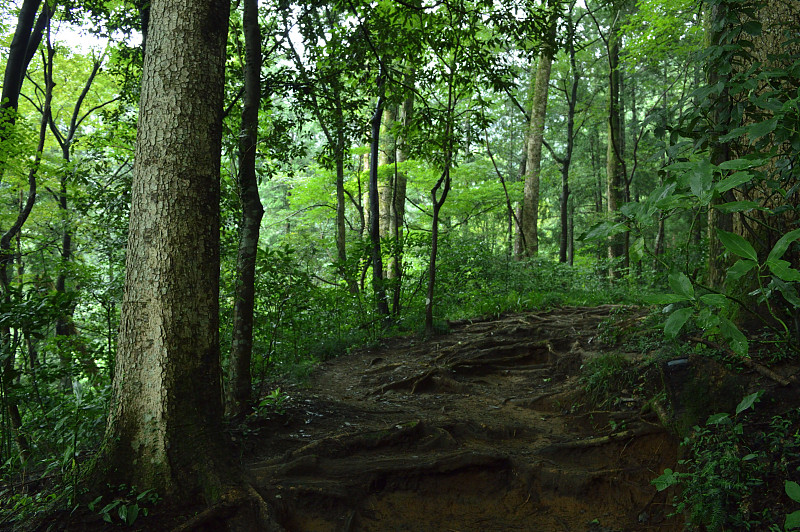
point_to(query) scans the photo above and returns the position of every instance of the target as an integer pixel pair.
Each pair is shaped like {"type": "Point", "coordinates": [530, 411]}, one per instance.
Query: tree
{"type": "Point", "coordinates": [615, 165]}
{"type": "Point", "coordinates": [374, 204]}
{"type": "Point", "coordinates": [530, 204]}
{"type": "Point", "coordinates": [239, 381]}
{"type": "Point", "coordinates": [164, 426]}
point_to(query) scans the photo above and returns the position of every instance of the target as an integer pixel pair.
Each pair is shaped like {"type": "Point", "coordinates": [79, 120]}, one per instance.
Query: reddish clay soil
{"type": "Point", "coordinates": [483, 429]}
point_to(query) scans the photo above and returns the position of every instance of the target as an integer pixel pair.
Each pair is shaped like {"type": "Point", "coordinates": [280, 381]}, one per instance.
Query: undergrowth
{"type": "Point", "coordinates": [733, 464]}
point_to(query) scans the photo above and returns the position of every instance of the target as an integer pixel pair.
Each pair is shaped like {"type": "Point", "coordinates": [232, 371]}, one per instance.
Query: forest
{"type": "Point", "coordinates": [400, 265]}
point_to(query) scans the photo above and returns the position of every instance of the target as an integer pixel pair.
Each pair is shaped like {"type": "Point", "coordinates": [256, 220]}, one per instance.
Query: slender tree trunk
{"type": "Point", "coordinates": [530, 205]}
{"type": "Point", "coordinates": [239, 378]}
{"type": "Point", "coordinates": [378, 287]}
{"type": "Point", "coordinates": [720, 152]}
{"type": "Point", "coordinates": [386, 156]}
{"type": "Point", "coordinates": [7, 259]}
{"type": "Point", "coordinates": [571, 232]}
{"type": "Point", "coordinates": [572, 98]}
{"type": "Point", "coordinates": [26, 40]}
{"type": "Point", "coordinates": [442, 184]}
{"type": "Point", "coordinates": [164, 428]}
{"type": "Point", "coordinates": [614, 166]}
{"type": "Point", "coordinates": [65, 329]}
{"type": "Point", "coordinates": [398, 213]}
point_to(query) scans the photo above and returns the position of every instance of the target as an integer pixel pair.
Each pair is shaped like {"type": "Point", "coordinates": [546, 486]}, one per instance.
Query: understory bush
{"type": "Point", "coordinates": [732, 464]}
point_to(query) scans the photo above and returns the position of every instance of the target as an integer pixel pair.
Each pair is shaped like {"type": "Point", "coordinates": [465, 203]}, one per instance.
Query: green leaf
{"type": "Point", "coordinates": [701, 180]}
{"type": "Point", "coordinates": [747, 402]}
{"type": "Point", "coordinates": [756, 131]}
{"type": "Point", "coordinates": [714, 300]}
{"type": "Point", "coordinates": [752, 27]}
{"type": "Point", "coordinates": [789, 293]}
{"type": "Point", "coordinates": [783, 244]}
{"type": "Point", "coordinates": [663, 299]}
{"type": "Point", "coordinates": [681, 285]}
{"type": "Point", "coordinates": [734, 336]}
{"type": "Point", "coordinates": [603, 230]}
{"type": "Point", "coordinates": [676, 321]}
{"type": "Point", "coordinates": [718, 419]}
{"type": "Point", "coordinates": [740, 268]}
{"type": "Point", "coordinates": [792, 490]}
{"type": "Point", "coordinates": [132, 514]}
{"type": "Point", "coordinates": [665, 480]}
{"type": "Point", "coordinates": [739, 164]}
{"type": "Point", "coordinates": [736, 206]}
{"type": "Point", "coordinates": [783, 270]}
{"type": "Point", "coordinates": [792, 520]}
{"type": "Point", "coordinates": [637, 250]}
{"type": "Point", "coordinates": [733, 181]}
{"type": "Point", "coordinates": [737, 245]}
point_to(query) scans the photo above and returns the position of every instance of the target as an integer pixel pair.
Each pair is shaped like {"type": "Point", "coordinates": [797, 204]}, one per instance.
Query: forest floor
{"type": "Point", "coordinates": [485, 428]}
{"type": "Point", "coordinates": [520, 422]}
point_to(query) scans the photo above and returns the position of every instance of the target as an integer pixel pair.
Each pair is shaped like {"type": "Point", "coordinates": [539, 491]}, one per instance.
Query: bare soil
{"type": "Point", "coordinates": [486, 428]}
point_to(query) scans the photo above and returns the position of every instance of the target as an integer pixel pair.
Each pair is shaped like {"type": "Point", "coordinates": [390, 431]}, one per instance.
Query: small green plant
{"type": "Point", "coordinates": [128, 508]}
{"type": "Point", "coordinates": [275, 401]}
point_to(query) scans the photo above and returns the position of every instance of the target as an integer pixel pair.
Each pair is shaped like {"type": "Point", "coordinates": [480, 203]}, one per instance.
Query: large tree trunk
{"type": "Point", "coordinates": [165, 422]}
{"type": "Point", "coordinates": [239, 378]}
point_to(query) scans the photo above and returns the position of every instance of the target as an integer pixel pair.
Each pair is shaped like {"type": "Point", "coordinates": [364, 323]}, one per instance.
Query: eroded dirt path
{"type": "Point", "coordinates": [482, 429]}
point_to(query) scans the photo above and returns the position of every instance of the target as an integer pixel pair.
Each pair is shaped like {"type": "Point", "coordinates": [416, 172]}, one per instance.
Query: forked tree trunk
{"type": "Point", "coordinates": [239, 391]}
{"type": "Point", "coordinates": [165, 421]}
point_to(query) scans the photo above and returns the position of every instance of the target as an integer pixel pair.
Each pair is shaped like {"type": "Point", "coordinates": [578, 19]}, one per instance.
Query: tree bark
{"type": "Point", "coordinates": [398, 208]}
{"type": "Point", "coordinates": [165, 422]}
{"type": "Point", "coordinates": [572, 99]}
{"type": "Point", "coordinates": [614, 165]}
{"type": "Point", "coordinates": [378, 288]}
{"type": "Point", "coordinates": [239, 391]}
{"type": "Point", "coordinates": [530, 204]}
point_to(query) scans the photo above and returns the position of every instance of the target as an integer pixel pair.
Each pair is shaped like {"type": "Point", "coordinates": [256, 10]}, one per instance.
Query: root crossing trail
{"type": "Point", "coordinates": [483, 429]}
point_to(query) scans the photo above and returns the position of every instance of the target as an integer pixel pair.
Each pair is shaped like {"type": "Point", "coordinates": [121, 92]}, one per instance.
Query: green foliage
{"type": "Point", "coordinates": [793, 491]}
{"type": "Point", "coordinates": [126, 507]}
{"type": "Point", "coordinates": [606, 376]}
{"type": "Point", "coordinates": [275, 401]}
{"type": "Point", "coordinates": [724, 480]}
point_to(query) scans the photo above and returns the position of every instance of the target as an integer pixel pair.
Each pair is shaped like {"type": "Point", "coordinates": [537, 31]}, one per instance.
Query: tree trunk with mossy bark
{"type": "Point", "coordinates": [164, 426]}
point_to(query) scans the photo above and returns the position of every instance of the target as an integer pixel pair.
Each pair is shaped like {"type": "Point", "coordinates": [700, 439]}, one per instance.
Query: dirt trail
{"type": "Point", "coordinates": [482, 429]}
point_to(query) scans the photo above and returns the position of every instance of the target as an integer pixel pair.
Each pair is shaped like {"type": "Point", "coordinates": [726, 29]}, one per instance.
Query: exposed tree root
{"type": "Point", "coordinates": [238, 510]}
{"type": "Point", "coordinates": [605, 440]}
